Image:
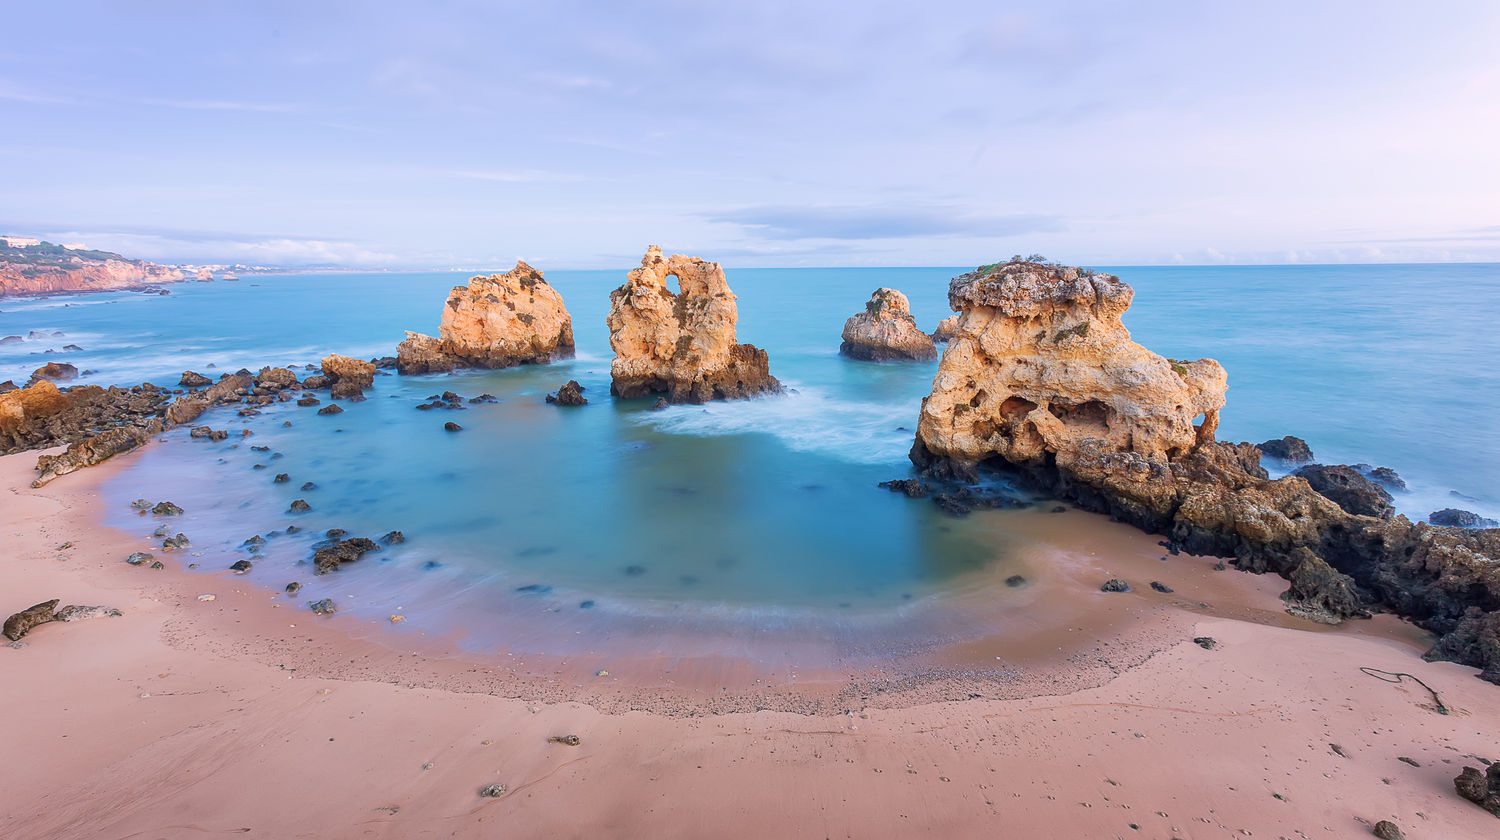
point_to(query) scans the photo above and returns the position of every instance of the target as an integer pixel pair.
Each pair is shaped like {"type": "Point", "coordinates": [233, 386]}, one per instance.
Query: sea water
{"type": "Point", "coordinates": [766, 507]}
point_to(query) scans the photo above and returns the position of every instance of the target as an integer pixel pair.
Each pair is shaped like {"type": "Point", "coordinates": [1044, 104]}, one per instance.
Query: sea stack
{"type": "Point", "coordinates": [886, 331]}
{"type": "Point", "coordinates": [681, 345]}
{"type": "Point", "coordinates": [1042, 381]}
{"type": "Point", "coordinates": [498, 321]}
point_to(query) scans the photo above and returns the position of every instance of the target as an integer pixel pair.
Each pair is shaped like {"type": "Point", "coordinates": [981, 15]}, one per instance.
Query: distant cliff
{"type": "Point", "coordinates": [45, 268]}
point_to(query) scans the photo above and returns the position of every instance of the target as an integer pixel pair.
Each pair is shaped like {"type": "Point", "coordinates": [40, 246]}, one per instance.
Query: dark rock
{"type": "Point", "coordinates": [1387, 478]}
{"type": "Point", "coordinates": [450, 397]}
{"type": "Point", "coordinates": [140, 558]}
{"type": "Point", "coordinates": [1293, 450]}
{"type": "Point", "coordinates": [1320, 593]}
{"type": "Point", "coordinates": [534, 589]}
{"type": "Point", "coordinates": [299, 506]}
{"type": "Point", "coordinates": [1481, 788]}
{"type": "Point", "coordinates": [453, 427]}
{"type": "Point", "coordinates": [484, 398]}
{"type": "Point", "coordinates": [309, 486]}
{"type": "Point", "coordinates": [661, 404]}
{"type": "Point", "coordinates": [326, 560]}
{"type": "Point", "coordinates": [566, 740]}
{"type": "Point", "coordinates": [293, 588]}
{"type": "Point", "coordinates": [1161, 587]}
{"type": "Point", "coordinates": [1350, 490]}
{"type": "Point", "coordinates": [8, 386]}
{"type": "Point", "coordinates": [1115, 585]}
{"type": "Point", "coordinates": [393, 538]}
{"type": "Point", "coordinates": [912, 488]}
{"type": "Point", "coordinates": [193, 380]}
{"type": "Point", "coordinates": [281, 478]}
{"type": "Point", "coordinates": [331, 408]}
{"type": "Point", "coordinates": [570, 394]}
{"type": "Point", "coordinates": [240, 566]}
{"type": "Point", "coordinates": [1474, 639]}
{"type": "Point", "coordinates": [308, 401]}
{"type": "Point", "coordinates": [166, 509]}
{"type": "Point", "coordinates": [1015, 581]}
{"type": "Point", "coordinates": [176, 543]}
{"type": "Point", "coordinates": [254, 542]}
{"type": "Point", "coordinates": [200, 432]}
{"type": "Point", "coordinates": [323, 607]}
{"type": "Point", "coordinates": [54, 372]}
{"type": "Point", "coordinates": [335, 533]}
{"type": "Point", "coordinates": [347, 389]}
{"type": "Point", "coordinates": [384, 363]}
{"type": "Point", "coordinates": [22, 622]}
{"type": "Point", "coordinates": [492, 791]}
{"type": "Point", "coordinates": [1460, 519]}
{"type": "Point", "coordinates": [316, 382]}
{"type": "Point", "coordinates": [1205, 642]}
{"type": "Point", "coordinates": [1387, 830]}
{"type": "Point", "coordinates": [72, 348]}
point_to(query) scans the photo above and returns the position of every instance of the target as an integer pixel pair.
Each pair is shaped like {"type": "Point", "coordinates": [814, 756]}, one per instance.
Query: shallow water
{"type": "Point", "coordinates": [764, 508]}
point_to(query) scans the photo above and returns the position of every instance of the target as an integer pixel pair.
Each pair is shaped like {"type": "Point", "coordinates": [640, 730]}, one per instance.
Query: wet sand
{"type": "Point", "coordinates": [1084, 715]}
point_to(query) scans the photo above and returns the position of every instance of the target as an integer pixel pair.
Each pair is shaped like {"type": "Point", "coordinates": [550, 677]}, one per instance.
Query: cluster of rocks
{"type": "Point", "coordinates": [42, 415]}
{"type": "Point", "coordinates": [1042, 383]}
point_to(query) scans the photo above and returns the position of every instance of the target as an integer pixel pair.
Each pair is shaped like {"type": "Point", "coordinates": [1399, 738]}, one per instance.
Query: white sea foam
{"type": "Point", "coordinates": [804, 419]}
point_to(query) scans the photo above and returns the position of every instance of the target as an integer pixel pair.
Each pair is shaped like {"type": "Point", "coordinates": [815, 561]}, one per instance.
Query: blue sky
{"type": "Point", "coordinates": [573, 134]}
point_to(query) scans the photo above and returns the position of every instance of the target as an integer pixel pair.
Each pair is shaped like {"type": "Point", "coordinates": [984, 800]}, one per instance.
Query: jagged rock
{"type": "Point", "coordinates": [912, 488]}
{"type": "Point", "coordinates": [331, 408]}
{"type": "Point", "coordinates": [328, 559]}
{"type": "Point", "coordinates": [299, 506]}
{"type": "Point", "coordinates": [1453, 517]}
{"type": "Point", "coordinates": [1349, 489]}
{"type": "Point", "coordinates": [1293, 450]}
{"type": "Point", "coordinates": [886, 331]}
{"type": "Point", "coordinates": [1481, 788]}
{"type": "Point", "coordinates": [393, 538]}
{"type": "Point", "coordinates": [569, 394]}
{"type": "Point", "coordinates": [200, 432]}
{"type": "Point", "coordinates": [140, 558]}
{"type": "Point", "coordinates": [1385, 477]}
{"type": "Point", "coordinates": [21, 623]}
{"type": "Point", "coordinates": [661, 404]}
{"type": "Point", "coordinates": [323, 607]}
{"type": "Point", "coordinates": [453, 427]}
{"type": "Point", "coordinates": [1041, 363]}
{"type": "Point", "coordinates": [7, 386]}
{"type": "Point", "coordinates": [346, 389]}
{"type": "Point", "coordinates": [166, 509]}
{"type": "Point", "coordinates": [54, 372]}
{"type": "Point", "coordinates": [100, 447]}
{"type": "Point", "coordinates": [498, 321]}
{"type": "Point", "coordinates": [492, 791]}
{"type": "Point", "coordinates": [946, 329]}
{"type": "Point", "coordinates": [1161, 587]}
{"type": "Point", "coordinates": [384, 362]}
{"type": "Point", "coordinates": [344, 369]}
{"type": "Point", "coordinates": [176, 543]}
{"type": "Point", "coordinates": [193, 380]}
{"type": "Point", "coordinates": [1387, 830]}
{"type": "Point", "coordinates": [1166, 477]}
{"type": "Point", "coordinates": [317, 382]}
{"type": "Point", "coordinates": [681, 345]}
{"type": "Point", "coordinates": [1115, 585]}
{"type": "Point", "coordinates": [276, 379]}
{"type": "Point", "coordinates": [241, 566]}
{"type": "Point", "coordinates": [1319, 593]}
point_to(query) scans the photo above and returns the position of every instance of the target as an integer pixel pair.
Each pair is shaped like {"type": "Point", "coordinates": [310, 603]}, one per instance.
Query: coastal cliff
{"type": "Point", "coordinates": [886, 331]}
{"type": "Point", "coordinates": [498, 321]}
{"type": "Point", "coordinates": [681, 345]}
{"type": "Point", "coordinates": [45, 268]}
{"type": "Point", "coordinates": [1042, 382]}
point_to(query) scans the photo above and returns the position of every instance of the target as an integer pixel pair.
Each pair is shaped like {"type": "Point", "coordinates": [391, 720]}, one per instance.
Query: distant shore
{"type": "Point", "coordinates": [239, 705]}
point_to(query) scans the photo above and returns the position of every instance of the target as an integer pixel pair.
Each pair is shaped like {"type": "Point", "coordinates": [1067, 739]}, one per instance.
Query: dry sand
{"type": "Point", "coordinates": [247, 715]}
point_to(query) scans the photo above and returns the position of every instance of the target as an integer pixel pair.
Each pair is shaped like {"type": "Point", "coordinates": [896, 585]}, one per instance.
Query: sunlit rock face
{"type": "Point", "coordinates": [498, 321]}
{"type": "Point", "coordinates": [681, 345]}
{"type": "Point", "coordinates": [1039, 362]}
{"type": "Point", "coordinates": [886, 331]}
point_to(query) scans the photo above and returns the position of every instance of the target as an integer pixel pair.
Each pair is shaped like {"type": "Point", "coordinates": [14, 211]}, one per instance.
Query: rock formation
{"type": "Point", "coordinates": [1041, 381]}
{"type": "Point", "coordinates": [570, 394]}
{"type": "Point", "coordinates": [54, 372]}
{"type": "Point", "coordinates": [45, 268]}
{"type": "Point", "coordinates": [886, 331]}
{"type": "Point", "coordinates": [946, 329]}
{"type": "Point", "coordinates": [681, 345]}
{"type": "Point", "coordinates": [498, 321]}
{"type": "Point", "coordinates": [1481, 788]}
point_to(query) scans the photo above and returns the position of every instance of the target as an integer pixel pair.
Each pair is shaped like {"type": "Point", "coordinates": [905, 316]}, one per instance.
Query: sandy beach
{"type": "Point", "coordinates": [249, 715]}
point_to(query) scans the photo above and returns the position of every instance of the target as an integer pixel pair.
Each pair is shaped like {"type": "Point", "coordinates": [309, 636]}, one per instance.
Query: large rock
{"type": "Point", "coordinates": [886, 331]}
{"type": "Point", "coordinates": [1481, 788]}
{"type": "Point", "coordinates": [54, 372]}
{"type": "Point", "coordinates": [1042, 383]}
{"type": "Point", "coordinates": [1455, 518]}
{"type": "Point", "coordinates": [1040, 363]}
{"type": "Point", "coordinates": [97, 449]}
{"type": "Point", "coordinates": [1349, 488]}
{"type": "Point", "coordinates": [498, 321]}
{"type": "Point", "coordinates": [682, 344]}
{"type": "Point", "coordinates": [946, 329]}
{"type": "Point", "coordinates": [360, 374]}
{"type": "Point", "coordinates": [1293, 450]}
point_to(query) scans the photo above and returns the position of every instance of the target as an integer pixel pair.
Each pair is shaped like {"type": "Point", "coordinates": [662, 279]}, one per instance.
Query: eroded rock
{"type": "Point", "coordinates": [358, 374]}
{"type": "Point", "coordinates": [498, 321]}
{"type": "Point", "coordinates": [1349, 489]}
{"type": "Point", "coordinates": [681, 345]}
{"type": "Point", "coordinates": [570, 394]}
{"type": "Point", "coordinates": [1293, 450]}
{"type": "Point", "coordinates": [886, 331]}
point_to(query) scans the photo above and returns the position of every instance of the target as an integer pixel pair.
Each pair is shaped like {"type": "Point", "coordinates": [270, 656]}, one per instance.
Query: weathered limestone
{"type": "Point", "coordinates": [498, 321]}
{"type": "Point", "coordinates": [681, 345]}
{"type": "Point", "coordinates": [946, 329]}
{"type": "Point", "coordinates": [886, 331]}
{"type": "Point", "coordinates": [1043, 382]}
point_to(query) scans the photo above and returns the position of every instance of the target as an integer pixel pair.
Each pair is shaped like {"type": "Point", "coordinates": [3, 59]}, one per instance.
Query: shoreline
{"type": "Point", "coordinates": [184, 716]}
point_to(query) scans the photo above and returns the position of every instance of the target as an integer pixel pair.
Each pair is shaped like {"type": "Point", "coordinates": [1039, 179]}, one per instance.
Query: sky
{"type": "Point", "coordinates": [449, 134]}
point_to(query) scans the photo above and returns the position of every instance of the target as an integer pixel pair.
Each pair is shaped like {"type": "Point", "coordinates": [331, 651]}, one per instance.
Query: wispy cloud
{"type": "Point", "coordinates": [881, 223]}
{"type": "Point", "coordinates": [515, 176]}
{"type": "Point", "coordinates": [218, 105]}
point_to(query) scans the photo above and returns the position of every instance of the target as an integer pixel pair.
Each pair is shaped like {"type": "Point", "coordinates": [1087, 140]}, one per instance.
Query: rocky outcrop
{"type": "Point", "coordinates": [886, 331]}
{"type": "Point", "coordinates": [1481, 788]}
{"type": "Point", "coordinates": [498, 321]}
{"type": "Point", "coordinates": [1293, 450]}
{"type": "Point", "coordinates": [99, 448]}
{"type": "Point", "coordinates": [681, 345]}
{"type": "Point", "coordinates": [570, 394]}
{"type": "Point", "coordinates": [338, 369]}
{"type": "Point", "coordinates": [1043, 384]}
{"type": "Point", "coordinates": [1350, 489]}
{"type": "Point", "coordinates": [1455, 518]}
{"type": "Point", "coordinates": [54, 372]}
{"type": "Point", "coordinates": [946, 329]}
{"type": "Point", "coordinates": [41, 415]}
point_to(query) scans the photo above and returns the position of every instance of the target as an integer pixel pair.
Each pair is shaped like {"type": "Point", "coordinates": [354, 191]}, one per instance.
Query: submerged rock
{"type": "Point", "coordinates": [498, 321]}
{"type": "Point", "coordinates": [331, 408]}
{"type": "Point", "coordinates": [1042, 383]}
{"type": "Point", "coordinates": [323, 607]}
{"type": "Point", "coordinates": [1453, 517]}
{"type": "Point", "coordinates": [886, 331]}
{"type": "Point", "coordinates": [569, 394]}
{"type": "Point", "coordinates": [681, 346]}
{"type": "Point", "coordinates": [328, 559]}
{"type": "Point", "coordinates": [166, 509]}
